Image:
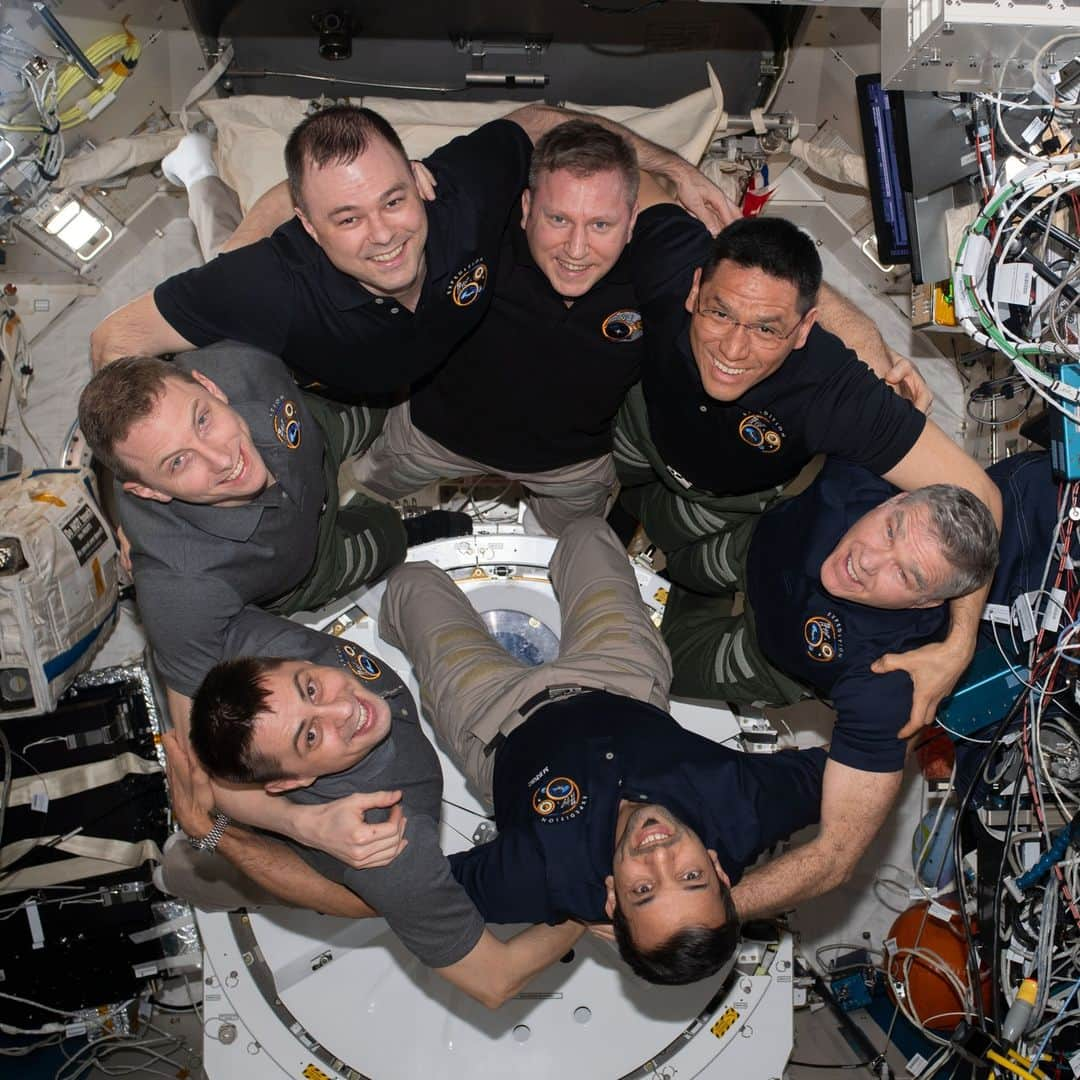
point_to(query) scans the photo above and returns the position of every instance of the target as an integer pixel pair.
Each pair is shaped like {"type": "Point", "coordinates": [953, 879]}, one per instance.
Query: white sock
{"type": "Point", "coordinates": [192, 160]}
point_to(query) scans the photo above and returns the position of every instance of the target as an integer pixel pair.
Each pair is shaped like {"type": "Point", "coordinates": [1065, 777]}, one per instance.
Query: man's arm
{"type": "Point", "coordinates": [272, 208]}
{"type": "Point", "coordinates": [841, 317]}
{"type": "Point", "coordinates": [852, 810]}
{"type": "Point", "coordinates": [136, 329]}
{"type": "Point", "coordinates": [268, 863]}
{"type": "Point", "coordinates": [697, 193]}
{"type": "Point", "coordinates": [494, 971]}
{"type": "Point", "coordinates": [934, 669]}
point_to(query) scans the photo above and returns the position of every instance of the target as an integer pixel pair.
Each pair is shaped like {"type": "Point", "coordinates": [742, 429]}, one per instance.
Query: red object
{"type": "Point", "coordinates": [930, 995]}
{"type": "Point", "coordinates": [936, 755]}
{"type": "Point", "coordinates": [754, 201]}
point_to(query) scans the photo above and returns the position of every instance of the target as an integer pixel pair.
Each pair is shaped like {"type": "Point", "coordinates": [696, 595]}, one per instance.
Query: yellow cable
{"type": "Point", "coordinates": [122, 45]}
{"type": "Point", "coordinates": [1005, 1063]}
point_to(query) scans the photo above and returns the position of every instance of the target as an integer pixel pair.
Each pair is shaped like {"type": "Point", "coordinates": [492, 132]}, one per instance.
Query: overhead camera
{"type": "Point", "coordinates": [335, 33]}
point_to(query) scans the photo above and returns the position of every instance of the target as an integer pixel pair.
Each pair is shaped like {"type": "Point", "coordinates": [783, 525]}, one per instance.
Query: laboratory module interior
{"type": "Point", "coordinates": [540, 539]}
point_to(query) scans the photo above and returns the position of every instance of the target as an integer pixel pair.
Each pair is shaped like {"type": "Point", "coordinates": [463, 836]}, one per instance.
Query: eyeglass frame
{"type": "Point", "coordinates": [730, 323]}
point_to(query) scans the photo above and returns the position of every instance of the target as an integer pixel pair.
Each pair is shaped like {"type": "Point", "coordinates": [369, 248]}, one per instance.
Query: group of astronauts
{"type": "Point", "coordinates": [557, 301]}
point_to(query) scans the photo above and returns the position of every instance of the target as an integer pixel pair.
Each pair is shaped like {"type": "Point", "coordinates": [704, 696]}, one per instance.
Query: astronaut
{"type": "Point", "coordinates": [333, 723]}
{"type": "Point", "coordinates": [741, 389]}
{"type": "Point", "coordinates": [227, 492]}
{"type": "Point", "coordinates": [869, 574]}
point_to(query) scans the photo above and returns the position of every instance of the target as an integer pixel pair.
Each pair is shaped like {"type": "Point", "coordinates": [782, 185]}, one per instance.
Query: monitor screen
{"type": "Point", "coordinates": [887, 161]}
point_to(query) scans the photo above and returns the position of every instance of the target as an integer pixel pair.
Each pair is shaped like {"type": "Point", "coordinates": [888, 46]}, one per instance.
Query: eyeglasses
{"type": "Point", "coordinates": [720, 322]}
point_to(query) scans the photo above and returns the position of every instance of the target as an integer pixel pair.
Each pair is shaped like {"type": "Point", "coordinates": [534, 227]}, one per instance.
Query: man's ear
{"type": "Point", "coordinates": [307, 224]}
{"type": "Point", "coordinates": [526, 202]}
{"type": "Point", "coordinates": [609, 903]}
{"type": "Point", "coordinates": [718, 868]}
{"type": "Point", "coordinates": [142, 491]}
{"type": "Point", "coordinates": [691, 299]}
{"type": "Point", "coordinates": [805, 327]}
{"type": "Point", "coordinates": [210, 386]}
{"type": "Point", "coordinates": [279, 787]}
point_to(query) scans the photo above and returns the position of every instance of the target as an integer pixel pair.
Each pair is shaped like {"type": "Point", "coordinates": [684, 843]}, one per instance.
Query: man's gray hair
{"type": "Point", "coordinates": [966, 531]}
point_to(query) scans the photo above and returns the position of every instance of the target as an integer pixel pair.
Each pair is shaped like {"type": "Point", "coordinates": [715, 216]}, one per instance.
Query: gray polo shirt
{"type": "Point", "coordinates": [197, 567]}
{"type": "Point", "coordinates": [416, 894]}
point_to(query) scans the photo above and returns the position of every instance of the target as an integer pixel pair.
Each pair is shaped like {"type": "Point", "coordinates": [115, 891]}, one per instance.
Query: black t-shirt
{"type": "Point", "coordinates": [822, 400]}
{"type": "Point", "coordinates": [283, 294]}
{"type": "Point", "coordinates": [536, 386]}
{"type": "Point", "coordinates": [558, 782]}
{"type": "Point", "coordinates": [826, 643]}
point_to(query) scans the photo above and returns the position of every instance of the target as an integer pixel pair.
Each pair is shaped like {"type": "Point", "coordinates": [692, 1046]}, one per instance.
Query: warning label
{"type": "Point", "coordinates": [85, 533]}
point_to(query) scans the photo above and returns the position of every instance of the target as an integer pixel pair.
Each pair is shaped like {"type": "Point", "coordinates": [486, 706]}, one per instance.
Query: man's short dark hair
{"type": "Point", "coordinates": [776, 247]}
{"type": "Point", "coordinates": [584, 148]}
{"type": "Point", "coordinates": [335, 135]}
{"type": "Point", "coordinates": [223, 715]}
{"type": "Point", "coordinates": [690, 954]}
{"type": "Point", "coordinates": [965, 529]}
{"type": "Point", "coordinates": [116, 399]}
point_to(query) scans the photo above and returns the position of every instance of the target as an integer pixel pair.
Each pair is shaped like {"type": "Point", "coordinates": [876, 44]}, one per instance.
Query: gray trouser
{"type": "Point", "coordinates": [358, 542]}
{"type": "Point", "coordinates": [693, 527]}
{"type": "Point", "coordinates": [403, 460]}
{"type": "Point", "coordinates": [215, 212]}
{"type": "Point", "coordinates": [471, 688]}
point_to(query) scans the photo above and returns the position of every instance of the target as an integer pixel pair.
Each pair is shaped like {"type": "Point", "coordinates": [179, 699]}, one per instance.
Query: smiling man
{"type": "Point", "coordinates": [606, 808]}
{"type": "Point", "coordinates": [227, 492]}
{"type": "Point", "coordinates": [741, 390]}
{"type": "Point", "coordinates": [869, 574]}
{"type": "Point", "coordinates": [334, 724]}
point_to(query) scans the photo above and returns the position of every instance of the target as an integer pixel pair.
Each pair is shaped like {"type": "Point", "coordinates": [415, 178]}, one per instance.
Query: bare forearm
{"type": "Point", "coordinates": [965, 613]}
{"type": "Point", "coordinates": [538, 120]}
{"type": "Point", "coordinates": [841, 317]}
{"type": "Point", "coordinates": [283, 873]}
{"type": "Point", "coordinates": [271, 209]}
{"type": "Point", "coordinates": [782, 883]}
{"type": "Point", "coordinates": [494, 971]}
{"type": "Point", "coordinates": [535, 949]}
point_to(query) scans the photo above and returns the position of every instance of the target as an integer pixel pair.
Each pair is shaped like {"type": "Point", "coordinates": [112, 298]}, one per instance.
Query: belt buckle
{"type": "Point", "coordinates": [557, 693]}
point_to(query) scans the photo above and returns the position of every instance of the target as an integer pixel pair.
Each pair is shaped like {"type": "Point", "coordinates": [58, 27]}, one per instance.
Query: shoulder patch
{"type": "Point", "coordinates": [824, 636]}
{"type": "Point", "coordinates": [357, 661]}
{"type": "Point", "coordinates": [622, 325]}
{"type": "Point", "coordinates": [286, 419]}
{"type": "Point", "coordinates": [468, 284]}
{"type": "Point", "coordinates": [557, 798]}
{"type": "Point", "coordinates": [761, 431]}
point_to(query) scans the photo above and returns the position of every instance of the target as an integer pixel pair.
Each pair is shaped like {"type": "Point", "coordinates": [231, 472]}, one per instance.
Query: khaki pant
{"type": "Point", "coordinates": [471, 688]}
{"type": "Point", "coordinates": [403, 460]}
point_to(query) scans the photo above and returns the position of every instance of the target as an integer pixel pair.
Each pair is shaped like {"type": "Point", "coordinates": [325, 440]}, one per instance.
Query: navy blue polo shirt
{"type": "Point", "coordinates": [826, 643]}
{"type": "Point", "coordinates": [1029, 497]}
{"type": "Point", "coordinates": [558, 781]}
{"type": "Point", "coordinates": [283, 294]}
{"type": "Point", "coordinates": [546, 377]}
{"type": "Point", "coordinates": [822, 400]}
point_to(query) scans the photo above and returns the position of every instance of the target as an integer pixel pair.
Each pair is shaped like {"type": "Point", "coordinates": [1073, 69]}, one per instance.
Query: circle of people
{"type": "Point", "coordinates": [557, 301]}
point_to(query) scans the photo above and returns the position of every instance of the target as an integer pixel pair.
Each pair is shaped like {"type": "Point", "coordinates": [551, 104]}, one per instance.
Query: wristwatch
{"type": "Point", "coordinates": [210, 841]}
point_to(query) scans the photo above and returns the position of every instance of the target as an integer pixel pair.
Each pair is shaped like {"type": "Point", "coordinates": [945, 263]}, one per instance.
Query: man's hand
{"type": "Point", "coordinates": [339, 829]}
{"type": "Point", "coordinates": [425, 181]}
{"type": "Point", "coordinates": [124, 545]}
{"type": "Point", "coordinates": [934, 670]}
{"type": "Point", "coordinates": [906, 379]}
{"type": "Point", "coordinates": [601, 930]}
{"type": "Point", "coordinates": [702, 198]}
{"type": "Point", "coordinates": [189, 788]}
